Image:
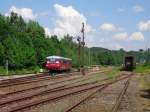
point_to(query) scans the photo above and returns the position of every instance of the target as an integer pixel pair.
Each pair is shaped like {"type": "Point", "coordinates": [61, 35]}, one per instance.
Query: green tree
{"type": "Point", "coordinates": [1, 54]}
{"type": "Point", "coordinates": [35, 30]}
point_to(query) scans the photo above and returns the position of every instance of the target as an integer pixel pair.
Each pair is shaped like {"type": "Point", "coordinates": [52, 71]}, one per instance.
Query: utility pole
{"type": "Point", "coordinates": [83, 44]}
{"type": "Point", "coordinates": [79, 52]}
{"type": "Point", "coordinates": [6, 67]}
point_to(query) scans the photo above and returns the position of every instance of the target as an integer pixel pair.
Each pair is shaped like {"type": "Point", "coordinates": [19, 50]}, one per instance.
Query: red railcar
{"type": "Point", "coordinates": [58, 63]}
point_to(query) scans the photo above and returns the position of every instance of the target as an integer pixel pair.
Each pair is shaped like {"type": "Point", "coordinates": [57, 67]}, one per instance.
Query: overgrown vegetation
{"type": "Point", "coordinates": [142, 68]}
{"type": "Point", "coordinates": [25, 45]}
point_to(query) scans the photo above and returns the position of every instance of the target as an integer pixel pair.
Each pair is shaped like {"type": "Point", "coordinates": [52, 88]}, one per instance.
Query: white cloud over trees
{"type": "Point", "coordinates": [138, 36]}
{"type": "Point", "coordinates": [26, 13]}
{"type": "Point", "coordinates": [69, 21]}
{"type": "Point", "coordinates": [47, 31]}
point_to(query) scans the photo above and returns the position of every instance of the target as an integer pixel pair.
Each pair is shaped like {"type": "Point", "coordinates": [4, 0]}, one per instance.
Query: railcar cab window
{"type": "Point", "coordinates": [52, 60]}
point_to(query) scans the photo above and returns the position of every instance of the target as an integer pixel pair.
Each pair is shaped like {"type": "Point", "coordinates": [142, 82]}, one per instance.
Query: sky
{"type": "Point", "coordinates": [111, 24]}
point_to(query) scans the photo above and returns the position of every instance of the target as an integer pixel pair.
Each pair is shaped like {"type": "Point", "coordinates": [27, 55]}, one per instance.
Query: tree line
{"type": "Point", "coordinates": [24, 44]}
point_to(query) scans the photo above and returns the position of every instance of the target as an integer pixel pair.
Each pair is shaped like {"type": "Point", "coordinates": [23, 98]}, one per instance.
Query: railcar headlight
{"type": "Point", "coordinates": [57, 61]}
{"type": "Point", "coordinates": [48, 61]}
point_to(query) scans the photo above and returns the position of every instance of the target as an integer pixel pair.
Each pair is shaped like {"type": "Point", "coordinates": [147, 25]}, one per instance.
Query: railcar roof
{"type": "Point", "coordinates": [57, 57]}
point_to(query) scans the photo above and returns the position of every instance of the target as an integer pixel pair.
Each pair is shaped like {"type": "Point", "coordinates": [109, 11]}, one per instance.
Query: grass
{"type": "Point", "coordinates": [141, 68]}
{"type": "Point", "coordinates": [19, 71]}
{"type": "Point", "coordinates": [144, 84]}
{"type": "Point", "coordinates": [144, 78]}
{"type": "Point", "coordinates": [2, 71]}
{"type": "Point", "coordinates": [109, 74]}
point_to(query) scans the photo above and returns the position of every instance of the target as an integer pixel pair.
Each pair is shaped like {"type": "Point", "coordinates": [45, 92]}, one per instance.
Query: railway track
{"type": "Point", "coordinates": [40, 93]}
{"type": "Point", "coordinates": [37, 87]}
{"type": "Point", "coordinates": [54, 81]}
{"type": "Point", "coordinates": [72, 80]}
{"type": "Point", "coordinates": [120, 97]}
{"type": "Point", "coordinates": [47, 97]}
{"type": "Point", "coordinates": [37, 78]}
{"type": "Point", "coordinates": [69, 81]}
{"type": "Point", "coordinates": [21, 78]}
{"type": "Point", "coordinates": [30, 79]}
{"type": "Point", "coordinates": [26, 92]}
{"type": "Point", "coordinates": [55, 94]}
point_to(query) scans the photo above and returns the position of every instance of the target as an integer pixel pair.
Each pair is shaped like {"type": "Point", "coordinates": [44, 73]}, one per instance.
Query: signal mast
{"type": "Point", "coordinates": [81, 43]}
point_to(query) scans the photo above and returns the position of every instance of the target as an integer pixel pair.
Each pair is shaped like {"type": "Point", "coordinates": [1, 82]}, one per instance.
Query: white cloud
{"type": "Point", "coordinates": [124, 36]}
{"type": "Point", "coordinates": [26, 13]}
{"type": "Point", "coordinates": [144, 25]}
{"type": "Point", "coordinates": [138, 8]}
{"type": "Point", "coordinates": [47, 31]}
{"type": "Point", "coordinates": [121, 36]}
{"type": "Point", "coordinates": [69, 21]}
{"type": "Point", "coordinates": [108, 27]}
{"type": "Point", "coordinates": [136, 36]}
